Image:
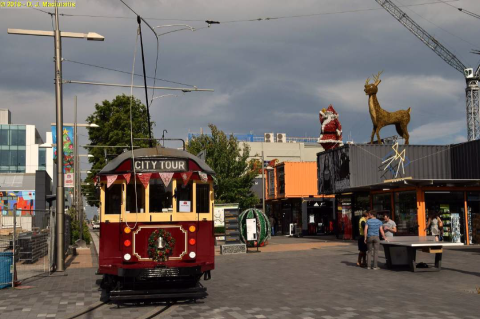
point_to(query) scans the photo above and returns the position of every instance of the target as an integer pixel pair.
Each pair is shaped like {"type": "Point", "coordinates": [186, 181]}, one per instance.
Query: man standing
{"type": "Point", "coordinates": [389, 226]}
{"type": "Point", "coordinates": [362, 246]}
{"type": "Point", "coordinates": [373, 229]}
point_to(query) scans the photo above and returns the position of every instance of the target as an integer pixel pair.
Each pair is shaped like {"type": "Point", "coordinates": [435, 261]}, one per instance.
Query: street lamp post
{"type": "Point", "coordinates": [60, 245]}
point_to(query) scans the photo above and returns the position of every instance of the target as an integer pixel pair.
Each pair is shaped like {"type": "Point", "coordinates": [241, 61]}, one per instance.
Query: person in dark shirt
{"type": "Point", "coordinates": [362, 246]}
{"type": "Point", "coordinates": [373, 229]}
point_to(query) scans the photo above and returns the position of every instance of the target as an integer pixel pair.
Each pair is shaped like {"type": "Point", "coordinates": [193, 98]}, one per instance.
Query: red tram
{"type": "Point", "coordinates": [156, 225]}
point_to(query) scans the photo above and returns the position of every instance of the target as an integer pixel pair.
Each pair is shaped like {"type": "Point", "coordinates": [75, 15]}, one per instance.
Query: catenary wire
{"type": "Point", "coordinates": [125, 72]}
{"type": "Point", "coordinates": [439, 27]}
{"type": "Point", "coordinates": [253, 19]}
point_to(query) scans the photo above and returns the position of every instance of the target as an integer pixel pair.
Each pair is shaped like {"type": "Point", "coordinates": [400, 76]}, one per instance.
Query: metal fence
{"type": "Point", "coordinates": [25, 245]}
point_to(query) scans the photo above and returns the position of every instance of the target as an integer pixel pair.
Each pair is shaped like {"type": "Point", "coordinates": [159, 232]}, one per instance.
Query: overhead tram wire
{"type": "Point", "coordinates": [444, 30]}
{"type": "Point", "coordinates": [139, 21]}
{"type": "Point", "coordinates": [462, 10]}
{"type": "Point", "coordinates": [250, 20]}
{"type": "Point", "coordinates": [125, 72]}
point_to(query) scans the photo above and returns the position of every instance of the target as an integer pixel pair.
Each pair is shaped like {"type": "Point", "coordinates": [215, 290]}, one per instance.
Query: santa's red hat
{"type": "Point", "coordinates": [331, 109]}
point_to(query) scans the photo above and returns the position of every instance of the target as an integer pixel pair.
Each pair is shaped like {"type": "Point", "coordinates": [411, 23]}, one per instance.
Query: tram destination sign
{"type": "Point", "coordinates": [160, 165]}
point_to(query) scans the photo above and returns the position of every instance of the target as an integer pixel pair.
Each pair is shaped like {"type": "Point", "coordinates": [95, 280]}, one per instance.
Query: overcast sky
{"type": "Point", "coordinates": [268, 76]}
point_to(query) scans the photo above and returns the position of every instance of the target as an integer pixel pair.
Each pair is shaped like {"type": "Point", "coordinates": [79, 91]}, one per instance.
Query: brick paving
{"type": "Point", "coordinates": [291, 278]}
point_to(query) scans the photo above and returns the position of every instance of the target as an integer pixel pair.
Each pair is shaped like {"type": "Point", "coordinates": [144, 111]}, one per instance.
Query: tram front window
{"type": "Point", "coordinates": [203, 196]}
{"type": "Point", "coordinates": [113, 199]}
{"type": "Point", "coordinates": [160, 197]}
{"type": "Point", "coordinates": [138, 205]}
{"type": "Point", "coordinates": [184, 197]}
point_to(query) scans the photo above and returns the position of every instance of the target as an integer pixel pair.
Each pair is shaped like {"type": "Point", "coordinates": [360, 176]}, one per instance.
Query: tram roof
{"type": "Point", "coordinates": [158, 151]}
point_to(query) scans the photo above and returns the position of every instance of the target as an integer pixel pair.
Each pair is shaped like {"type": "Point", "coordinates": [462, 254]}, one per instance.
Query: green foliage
{"type": "Point", "coordinates": [75, 231]}
{"type": "Point", "coordinates": [235, 174]}
{"type": "Point", "coordinates": [113, 119]}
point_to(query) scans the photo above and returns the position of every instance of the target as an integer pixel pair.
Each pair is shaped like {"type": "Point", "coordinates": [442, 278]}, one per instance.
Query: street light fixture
{"type": "Point", "coordinates": [57, 34]}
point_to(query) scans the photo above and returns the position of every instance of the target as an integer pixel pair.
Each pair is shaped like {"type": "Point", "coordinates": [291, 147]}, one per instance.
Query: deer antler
{"type": "Point", "coordinates": [377, 78]}
{"type": "Point", "coordinates": [366, 82]}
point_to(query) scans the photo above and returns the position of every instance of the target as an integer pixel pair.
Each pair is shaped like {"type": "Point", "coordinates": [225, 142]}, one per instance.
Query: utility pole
{"type": "Point", "coordinates": [60, 205]}
{"type": "Point", "coordinates": [59, 121]}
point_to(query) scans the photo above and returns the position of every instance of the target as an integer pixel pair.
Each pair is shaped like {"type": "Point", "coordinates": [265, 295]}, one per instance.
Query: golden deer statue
{"type": "Point", "coordinates": [382, 118]}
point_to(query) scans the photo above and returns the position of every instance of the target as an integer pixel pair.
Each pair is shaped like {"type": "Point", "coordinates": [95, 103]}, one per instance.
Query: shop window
{"type": "Point", "coordinates": [113, 199]}
{"type": "Point", "coordinates": [138, 205]}
{"type": "Point", "coordinates": [344, 217]}
{"type": "Point", "coordinates": [184, 194]}
{"type": "Point", "coordinates": [203, 198]}
{"type": "Point", "coordinates": [382, 203]}
{"type": "Point", "coordinates": [406, 213]}
{"type": "Point", "coordinates": [281, 180]}
{"type": "Point", "coordinates": [450, 207]}
{"type": "Point", "coordinates": [473, 204]}
{"type": "Point", "coordinates": [160, 197]}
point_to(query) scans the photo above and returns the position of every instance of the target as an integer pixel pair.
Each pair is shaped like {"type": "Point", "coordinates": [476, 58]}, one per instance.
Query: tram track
{"type": "Point", "coordinates": [96, 308]}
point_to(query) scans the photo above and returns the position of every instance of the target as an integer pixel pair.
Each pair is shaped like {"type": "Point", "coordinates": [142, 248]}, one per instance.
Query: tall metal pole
{"type": "Point", "coordinates": [59, 123]}
{"type": "Point", "coordinates": [76, 191]}
{"type": "Point", "coordinates": [263, 182]}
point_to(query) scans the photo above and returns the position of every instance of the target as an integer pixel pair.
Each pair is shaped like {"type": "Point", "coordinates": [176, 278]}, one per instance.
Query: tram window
{"type": "Point", "coordinates": [160, 197]}
{"type": "Point", "coordinates": [113, 199]}
{"type": "Point", "coordinates": [203, 198]}
{"type": "Point", "coordinates": [184, 197]}
{"type": "Point", "coordinates": [139, 205]}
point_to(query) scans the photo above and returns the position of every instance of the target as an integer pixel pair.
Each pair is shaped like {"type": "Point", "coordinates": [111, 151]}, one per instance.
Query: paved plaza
{"type": "Point", "coordinates": [291, 278]}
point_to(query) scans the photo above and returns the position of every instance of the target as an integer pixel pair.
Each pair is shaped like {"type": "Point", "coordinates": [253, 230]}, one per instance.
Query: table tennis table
{"type": "Point", "coordinates": [402, 251]}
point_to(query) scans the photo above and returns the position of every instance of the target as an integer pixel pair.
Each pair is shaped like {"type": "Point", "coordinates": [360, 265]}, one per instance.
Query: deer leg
{"type": "Point", "coordinates": [373, 134]}
{"type": "Point", "coordinates": [378, 136]}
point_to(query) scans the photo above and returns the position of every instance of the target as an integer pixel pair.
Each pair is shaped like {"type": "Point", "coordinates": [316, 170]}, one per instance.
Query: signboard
{"type": "Point", "coordinates": [251, 229]}
{"type": "Point", "coordinates": [271, 183]}
{"type": "Point", "coordinates": [69, 180]}
{"type": "Point", "coordinates": [185, 206]}
{"type": "Point", "coordinates": [232, 228]}
{"type": "Point", "coordinates": [160, 165]}
{"type": "Point", "coordinates": [68, 147]}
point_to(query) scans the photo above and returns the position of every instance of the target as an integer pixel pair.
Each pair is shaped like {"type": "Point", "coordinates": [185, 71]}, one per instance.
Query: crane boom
{"type": "Point", "coordinates": [423, 35]}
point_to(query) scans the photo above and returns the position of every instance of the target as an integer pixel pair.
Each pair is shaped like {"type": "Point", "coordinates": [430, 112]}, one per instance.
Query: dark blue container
{"type": "Point", "coordinates": [5, 275]}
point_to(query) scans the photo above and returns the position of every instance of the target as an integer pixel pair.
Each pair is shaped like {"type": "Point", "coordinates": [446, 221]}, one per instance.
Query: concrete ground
{"type": "Point", "coordinates": [290, 278]}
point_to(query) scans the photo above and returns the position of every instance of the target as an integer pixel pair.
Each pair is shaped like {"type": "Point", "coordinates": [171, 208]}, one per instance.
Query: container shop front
{"type": "Point", "coordinates": [292, 200]}
{"type": "Point", "coordinates": [410, 183]}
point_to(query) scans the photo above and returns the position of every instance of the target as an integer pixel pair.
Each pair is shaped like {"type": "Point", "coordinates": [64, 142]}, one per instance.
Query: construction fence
{"type": "Point", "coordinates": [27, 244]}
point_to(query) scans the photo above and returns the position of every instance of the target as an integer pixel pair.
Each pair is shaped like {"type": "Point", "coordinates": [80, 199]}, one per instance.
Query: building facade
{"type": "Point", "coordinates": [410, 183]}
{"type": "Point", "coordinates": [292, 200]}
{"type": "Point", "coordinates": [26, 170]}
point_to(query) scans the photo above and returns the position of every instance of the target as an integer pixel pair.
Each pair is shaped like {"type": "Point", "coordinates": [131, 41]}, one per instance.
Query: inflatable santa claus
{"type": "Point", "coordinates": [331, 131]}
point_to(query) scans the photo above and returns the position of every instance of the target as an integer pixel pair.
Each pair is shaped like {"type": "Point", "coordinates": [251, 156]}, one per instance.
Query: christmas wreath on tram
{"type": "Point", "coordinates": [160, 245]}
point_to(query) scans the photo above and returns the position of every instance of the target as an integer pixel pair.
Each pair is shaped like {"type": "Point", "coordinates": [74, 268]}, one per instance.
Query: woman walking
{"type": "Point", "coordinates": [435, 224]}
{"type": "Point", "coordinates": [373, 229]}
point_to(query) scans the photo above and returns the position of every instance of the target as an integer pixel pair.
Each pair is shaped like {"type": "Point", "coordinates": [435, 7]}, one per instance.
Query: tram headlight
{"type": "Point", "coordinates": [127, 257]}
{"type": "Point", "coordinates": [192, 229]}
{"type": "Point", "coordinates": [127, 230]}
{"type": "Point", "coordinates": [192, 254]}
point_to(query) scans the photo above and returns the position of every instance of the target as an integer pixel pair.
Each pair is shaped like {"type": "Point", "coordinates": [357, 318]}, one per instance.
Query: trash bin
{"type": "Point", "coordinates": [5, 275]}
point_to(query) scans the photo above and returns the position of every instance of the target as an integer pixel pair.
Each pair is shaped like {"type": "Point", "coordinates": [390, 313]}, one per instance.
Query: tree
{"type": "Point", "coordinates": [235, 174]}
{"type": "Point", "coordinates": [113, 119]}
